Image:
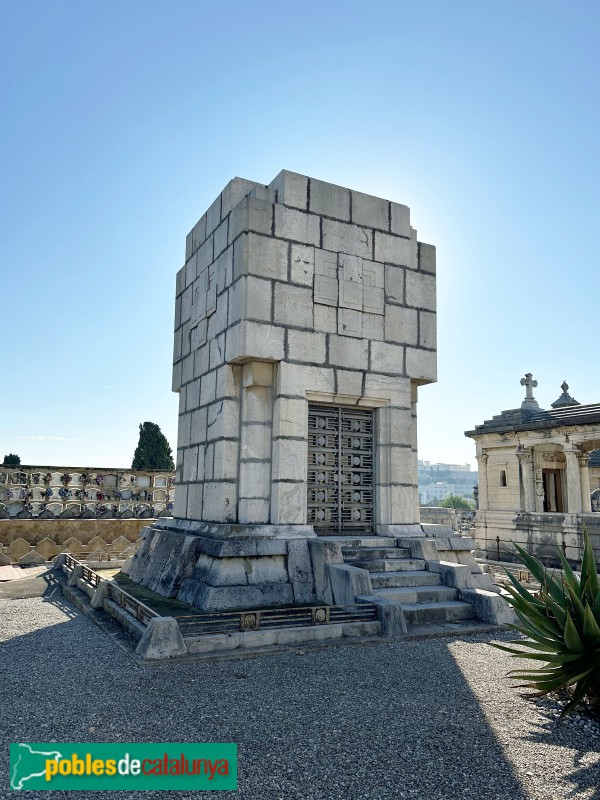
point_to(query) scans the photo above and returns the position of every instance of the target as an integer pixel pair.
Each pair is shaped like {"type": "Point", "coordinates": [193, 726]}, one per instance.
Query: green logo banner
{"type": "Point", "coordinates": [132, 766]}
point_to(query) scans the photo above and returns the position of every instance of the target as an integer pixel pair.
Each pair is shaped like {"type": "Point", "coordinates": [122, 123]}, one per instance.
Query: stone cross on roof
{"type": "Point", "coordinates": [529, 403]}
{"type": "Point", "coordinates": [529, 384]}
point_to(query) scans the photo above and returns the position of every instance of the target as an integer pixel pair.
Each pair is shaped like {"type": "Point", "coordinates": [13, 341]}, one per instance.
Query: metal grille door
{"type": "Point", "coordinates": [340, 469]}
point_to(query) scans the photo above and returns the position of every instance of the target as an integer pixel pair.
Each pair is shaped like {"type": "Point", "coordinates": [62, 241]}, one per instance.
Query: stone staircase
{"type": "Point", "coordinates": [398, 577]}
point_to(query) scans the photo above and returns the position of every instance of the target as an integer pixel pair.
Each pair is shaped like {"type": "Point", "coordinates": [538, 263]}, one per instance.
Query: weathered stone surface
{"type": "Point", "coordinates": [345, 238]}
{"type": "Point", "coordinates": [329, 200]}
{"type": "Point", "coordinates": [293, 305]}
{"type": "Point", "coordinates": [395, 250]}
{"type": "Point", "coordinates": [302, 264]}
{"type": "Point", "coordinates": [400, 219]}
{"type": "Point", "coordinates": [401, 325]}
{"type": "Point", "coordinates": [322, 554]}
{"type": "Point", "coordinates": [297, 225]}
{"type": "Point", "coordinates": [489, 606]}
{"type": "Point", "coordinates": [307, 346]}
{"type": "Point", "coordinates": [300, 571]}
{"type": "Point", "coordinates": [291, 188]}
{"type": "Point", "coordinates": [456, 575]}
{"type": "Point", "coordinates": [420, 290]}
{"type": "Point", "coordinates": [347, 583]}
{"type": "Point", "coordinates": [162, 639]}
{"type": "Point", "coordinates": [372, 212]}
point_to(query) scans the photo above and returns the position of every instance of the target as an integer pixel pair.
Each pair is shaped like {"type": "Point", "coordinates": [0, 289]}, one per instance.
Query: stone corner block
{"type": "Point", "coordinates": [101, 593]}
{"type": "Point", "coordinates": [409, 530]}
{"type": "Point", "coordinates": [75, 575]}
{"type": "Point", "coordinates": [59, 561]}
{"type": "Point", "coordinates": [458, 576]}
{"type": "Point", "coordinates": [419, 547]}
{"type": "Point", "coordinates": [162, 639]}
{"type": "Point", "coordinates": [348, 582]}
{"type": "Point", "coordinates": [291, 188]}
{"type": "Point", "coordinates": [322, 554]}
{"type": "Point", "coordinates": [489, 606]}
{"type": "Point", "coordinates": [389, 613]}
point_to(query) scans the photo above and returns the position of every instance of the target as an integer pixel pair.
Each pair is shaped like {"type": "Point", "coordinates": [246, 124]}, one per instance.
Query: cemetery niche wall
{"type": "Point", "coordinates": [305, 321]}
{"type": "Point", "coordinates": [87, 511]}
{"type": "Point", "coordinates": [47, 492]}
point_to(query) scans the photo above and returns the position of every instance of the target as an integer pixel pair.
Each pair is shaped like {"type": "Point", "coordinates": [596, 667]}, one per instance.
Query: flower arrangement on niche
{"type": "Point", "coordinates": [65, 493]}
{"type": "Point", "coordinates": [66, 478]}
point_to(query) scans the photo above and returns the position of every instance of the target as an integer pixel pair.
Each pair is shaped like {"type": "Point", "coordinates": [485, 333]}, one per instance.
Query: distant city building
{"type": "Point", "coordinates": [438, 480]}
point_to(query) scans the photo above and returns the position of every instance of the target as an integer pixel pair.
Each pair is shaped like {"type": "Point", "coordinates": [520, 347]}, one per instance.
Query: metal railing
{"type": "Point", "coordinates": [269, 618]}
{"type": "Point", "coordinates": [140, 611]}
{"type": "Point", "coordinates": [567, 550]}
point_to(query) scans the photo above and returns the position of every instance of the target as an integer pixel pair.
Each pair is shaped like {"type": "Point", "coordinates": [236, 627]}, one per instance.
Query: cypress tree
{"type": "Point", "coordinates": [153, 450]}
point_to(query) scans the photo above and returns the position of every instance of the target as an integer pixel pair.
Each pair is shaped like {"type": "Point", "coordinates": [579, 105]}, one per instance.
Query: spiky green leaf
{"type": "Point", "coordinates": [572, 638]}
{"type": "Point", "coordinates": [591, 629]}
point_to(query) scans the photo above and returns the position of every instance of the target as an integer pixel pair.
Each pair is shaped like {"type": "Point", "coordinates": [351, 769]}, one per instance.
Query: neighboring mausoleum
{"type": "Point", "coordinates": [537, 470]}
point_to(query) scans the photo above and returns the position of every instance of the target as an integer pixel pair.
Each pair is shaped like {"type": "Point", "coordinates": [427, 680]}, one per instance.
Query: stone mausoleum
{"type": "Point", "coordinates": [304, 326]}
{"type": "Point", "coordinates": [538, 477]}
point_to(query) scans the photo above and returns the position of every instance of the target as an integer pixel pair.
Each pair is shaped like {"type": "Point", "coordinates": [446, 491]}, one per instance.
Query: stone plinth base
{"type": "Point", "coordinates": [218, 567]}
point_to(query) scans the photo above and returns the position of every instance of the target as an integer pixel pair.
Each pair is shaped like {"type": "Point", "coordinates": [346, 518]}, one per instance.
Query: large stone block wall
{"type": "Point", "coordinates": [297, 292]}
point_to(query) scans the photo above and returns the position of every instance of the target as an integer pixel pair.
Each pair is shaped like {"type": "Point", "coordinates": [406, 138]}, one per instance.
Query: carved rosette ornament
{"type": "Point", "coordinates": [250, 621]}
{"type": "Point", "coordinates": [320, 616]}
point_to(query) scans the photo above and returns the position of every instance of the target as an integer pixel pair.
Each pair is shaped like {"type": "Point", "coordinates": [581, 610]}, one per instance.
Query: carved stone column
{"type": "Point", "coordinates": [586, 503]}
{"type": "Point", "coordinates": [539, 490]}
{"type": "Point", "coordinates": [573, 480]}
{"type": "Point", "coordinates": [525, 458]}
{"type": "Point", "coordinates": [482, 459]}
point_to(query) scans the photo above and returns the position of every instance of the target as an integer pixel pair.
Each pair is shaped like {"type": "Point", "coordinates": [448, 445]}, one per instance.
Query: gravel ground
{"type": "Point", "coordinates": [423, 719]}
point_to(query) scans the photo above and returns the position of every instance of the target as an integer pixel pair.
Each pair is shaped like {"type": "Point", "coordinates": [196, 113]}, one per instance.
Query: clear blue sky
{"type": "Point", "coordinates": [121, 121]}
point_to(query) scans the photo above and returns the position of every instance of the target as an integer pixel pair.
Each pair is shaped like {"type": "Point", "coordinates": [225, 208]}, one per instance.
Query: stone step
{"type": "Point", "coordinates": [390, 564]}
{"type": "Point", "coordinates": [249, 640]}
{"type": "Point", "coordinates": [427, 613]}
{"type": "Point", "coordinates": [363, 553]}
{"type": "Point", "coordinates": [363, 541]}
{"type": "Point", "coordinates": [387, 580]}
{"type": "Point", "coordinates": [418, 594]}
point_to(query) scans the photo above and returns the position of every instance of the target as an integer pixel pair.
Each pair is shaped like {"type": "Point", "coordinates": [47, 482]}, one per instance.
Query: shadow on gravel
{"type": "Point", "coordinates": [44, 585]}
{"type": "Point", "coordinates": [385, 722]}
{"type": "Point", "coordinates": [585, 778]}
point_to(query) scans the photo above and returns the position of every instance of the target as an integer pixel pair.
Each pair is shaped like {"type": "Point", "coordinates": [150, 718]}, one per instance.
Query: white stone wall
{"type": "Point", "coordinates": [297, 291]}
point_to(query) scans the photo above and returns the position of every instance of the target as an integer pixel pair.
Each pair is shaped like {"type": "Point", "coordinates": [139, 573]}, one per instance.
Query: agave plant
{"type": "Point", "coordinates": [562, 624]}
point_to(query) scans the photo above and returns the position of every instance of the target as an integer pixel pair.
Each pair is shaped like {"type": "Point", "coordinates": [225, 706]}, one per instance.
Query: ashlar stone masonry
{"type": "Point", "coordinates": [294, 293]}
{"type": "Point", "coordinates": [295, 296]}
